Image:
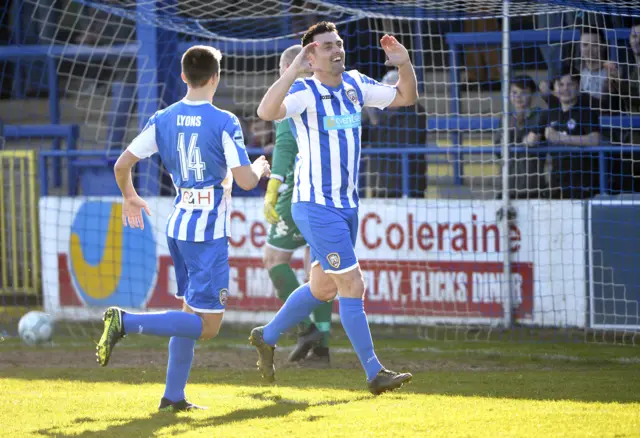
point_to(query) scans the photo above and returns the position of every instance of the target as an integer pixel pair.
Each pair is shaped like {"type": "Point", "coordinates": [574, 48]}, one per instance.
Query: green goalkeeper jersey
{"type": "Point", "coordinates": [284, 158]}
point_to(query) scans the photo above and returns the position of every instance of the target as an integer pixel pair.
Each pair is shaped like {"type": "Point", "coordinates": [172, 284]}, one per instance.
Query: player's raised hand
{"type": "Point", "coordinates": [132, 211]}
{"type": "Point", "coordinates": [397, 54]}
{"type": "Point", "coordinates": [261, 167]}
{"type": "Point", "coordinates": [301, 63]}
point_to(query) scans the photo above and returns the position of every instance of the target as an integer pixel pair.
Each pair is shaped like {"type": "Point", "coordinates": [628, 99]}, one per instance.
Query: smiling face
{"type": "Point", "coordinates": [520, 99]}
{"type": "Point", "coordinates": [329, 55]}
{"type": "Point", "coordinates": [567, 89]}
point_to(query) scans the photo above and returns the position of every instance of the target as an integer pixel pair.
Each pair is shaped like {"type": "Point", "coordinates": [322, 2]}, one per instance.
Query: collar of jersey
{"type": "Point", "coordinates": [195, 102]}
{"type": "Point", "coordinates": [328, 87]}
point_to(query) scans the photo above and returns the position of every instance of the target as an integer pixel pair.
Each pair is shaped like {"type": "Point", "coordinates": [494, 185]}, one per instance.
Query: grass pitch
{"type": "Point", "coordinates": [460, 389]}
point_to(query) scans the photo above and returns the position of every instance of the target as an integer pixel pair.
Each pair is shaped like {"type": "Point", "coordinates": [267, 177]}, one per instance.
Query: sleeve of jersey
{"type": "Point", "coordinates": [294, 101]}
{"type": "Point", "coordinates": [144, 145]}
{"type": "Point", "coordinates": [284, 153]}
{"type": "Point", "coordinates": [376, 94]}
{"type": "Point", "coordinates": [235, 152]}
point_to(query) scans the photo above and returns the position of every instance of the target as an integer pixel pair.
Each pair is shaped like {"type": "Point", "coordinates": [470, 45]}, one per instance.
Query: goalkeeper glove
{"type": "Point", "coordinates": [270, 200]}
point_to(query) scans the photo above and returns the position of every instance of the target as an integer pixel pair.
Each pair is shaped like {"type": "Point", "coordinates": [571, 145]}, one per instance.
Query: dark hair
{"type": "Point", "coordinates": [200, 64]}
{"type": "Point", "coordinates": [567, 70]}
{"type": "Point", "coordinates": [591, 30]}
{"type": "Point", "coordinates": [602, 38]}
{"type": "Point", "coordinates": [317, 29]}
{"type": "Point", "coordinates": [524, 82]}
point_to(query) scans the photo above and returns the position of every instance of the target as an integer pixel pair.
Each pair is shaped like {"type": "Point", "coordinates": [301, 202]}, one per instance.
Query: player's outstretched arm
{"type": "Point", "coordinates": [132, 204]}
{"type": "Point", "coordinates": [248, 177]}
{"type": "Point", "coordinates": [271, 107]}
{"type": "Point", "coordinates": [398, 56]}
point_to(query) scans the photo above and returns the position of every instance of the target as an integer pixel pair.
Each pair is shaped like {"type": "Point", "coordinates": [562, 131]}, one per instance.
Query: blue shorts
{"type": "Point", "coordinates": [202, 273]}
{"type": "Point", "coordinates": [330, 232]}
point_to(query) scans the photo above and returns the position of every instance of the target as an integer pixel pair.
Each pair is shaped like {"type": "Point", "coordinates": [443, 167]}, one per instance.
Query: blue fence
{"type": "Point", "coordinates": [146, 51]}
{"type": "Point", "coordinates": [102, 161]}
{"type": "Point", "coordinates": [457, 41]}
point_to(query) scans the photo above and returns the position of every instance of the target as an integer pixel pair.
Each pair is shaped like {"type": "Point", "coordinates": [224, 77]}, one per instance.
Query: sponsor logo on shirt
{"type": "Point", "coordinates": [346, 121]}
{"type": "Point", "coordinates": [282, 229]}
{"type": "Point", "coordinates": [196, 198]}
{"type": "Point", "coordinates": [326, 97]}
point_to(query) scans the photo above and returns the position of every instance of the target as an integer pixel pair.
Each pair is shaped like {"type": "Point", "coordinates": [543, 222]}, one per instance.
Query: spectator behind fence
{"type": "Point", "coordinates": [395, 128]}
{"type": "Point", "coordinates": [594, 70]}
{"type": "Point", "coordinates": [628, 86]}
{"type": "Point", "coordinates": [574, 175]}
{"type": "Point", "coordinates": [624, 168]}
{"type": "Point", "coordinates": [526, 171]}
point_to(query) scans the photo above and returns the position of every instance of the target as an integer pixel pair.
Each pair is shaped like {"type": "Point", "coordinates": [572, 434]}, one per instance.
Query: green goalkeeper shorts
{"type": "Point", "coordinates": [285, 235]}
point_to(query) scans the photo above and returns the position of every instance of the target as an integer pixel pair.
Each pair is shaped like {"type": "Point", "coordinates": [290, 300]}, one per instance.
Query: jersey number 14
{"type": "Point", "coordinates": [190, 158]}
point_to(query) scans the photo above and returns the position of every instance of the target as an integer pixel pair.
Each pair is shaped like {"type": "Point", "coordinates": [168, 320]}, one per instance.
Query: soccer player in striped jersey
{"type": "Point", "coordinates": [325, 115]}
{"type": "Point", "coordinates": [203, 149]}
{"type": "Point", "coordinates": [312, 347]}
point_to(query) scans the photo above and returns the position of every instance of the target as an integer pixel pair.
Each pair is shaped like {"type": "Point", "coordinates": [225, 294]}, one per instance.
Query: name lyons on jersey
{"type": "Point", "coordinates": [189, 121]}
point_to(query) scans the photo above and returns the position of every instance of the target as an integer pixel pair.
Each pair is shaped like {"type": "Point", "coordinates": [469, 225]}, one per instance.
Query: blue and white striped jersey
{"type": "Point", "coordinates": [326, 122]}
{"type": "Point", "coordinates": [198, 144]}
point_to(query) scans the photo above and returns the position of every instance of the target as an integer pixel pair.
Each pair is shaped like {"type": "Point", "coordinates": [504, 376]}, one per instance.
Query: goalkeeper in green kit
{"type": "Point", "coordinates": [312, 347]}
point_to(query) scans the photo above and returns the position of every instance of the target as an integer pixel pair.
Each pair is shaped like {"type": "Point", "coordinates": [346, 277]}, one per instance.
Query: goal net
{"type": "Point", "coordinates": [501, 204]}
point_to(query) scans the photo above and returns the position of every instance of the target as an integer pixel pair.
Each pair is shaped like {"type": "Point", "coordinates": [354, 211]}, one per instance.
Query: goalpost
{"type": "Point", "coordinates": [457, 232]}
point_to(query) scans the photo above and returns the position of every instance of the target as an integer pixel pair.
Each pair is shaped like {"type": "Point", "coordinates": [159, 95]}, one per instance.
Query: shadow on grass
{"type": "Point", "coordinates": [605, 384]}
{"type": "Point", "coordinates": [148, 426]}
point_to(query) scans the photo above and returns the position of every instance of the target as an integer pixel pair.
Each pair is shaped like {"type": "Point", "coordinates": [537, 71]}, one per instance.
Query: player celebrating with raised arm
{"type": "Point", "coordinates": [198, 144]}
{"type": "Point", "coordinates": [325, 112]}
{"type": "Point", "coordinates": [284, 238]}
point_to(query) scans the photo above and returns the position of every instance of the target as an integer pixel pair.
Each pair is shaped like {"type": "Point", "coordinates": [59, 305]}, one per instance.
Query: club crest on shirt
{"type": "Point", "coordinates": [571, 124]}
{"type": "Point", "coordinates": [334, 260]}
{"type": "Point", "coordinates": [223, 296]}
{"type": "Point", "coordinates": [352, 96]}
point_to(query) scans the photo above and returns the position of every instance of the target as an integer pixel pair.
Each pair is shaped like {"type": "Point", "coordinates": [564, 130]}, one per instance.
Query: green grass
{"type": "Point", "coordinates": [466, 389]}
{"type": "Point", "coordinates": [309, 403]}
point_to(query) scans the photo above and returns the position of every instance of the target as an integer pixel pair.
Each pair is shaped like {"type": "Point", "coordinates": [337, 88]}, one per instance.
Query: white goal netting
{"type": "Point", "coordinates": [464, 225]}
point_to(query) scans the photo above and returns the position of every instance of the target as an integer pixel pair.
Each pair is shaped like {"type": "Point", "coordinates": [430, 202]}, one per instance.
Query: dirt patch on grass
{"type": "Point", "coordinates": [221, 358]}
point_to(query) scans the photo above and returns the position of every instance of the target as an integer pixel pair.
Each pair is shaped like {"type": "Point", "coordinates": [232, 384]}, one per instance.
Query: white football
{"type": "Point", "coordinates": [35, 328]}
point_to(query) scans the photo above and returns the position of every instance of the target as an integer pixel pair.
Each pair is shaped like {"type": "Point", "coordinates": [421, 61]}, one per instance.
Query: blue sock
{"type": "Point", "coordinates": [354, 321]}
{"type": "Point", "coordinates": [171, 323]}
{"type": "Point", "coordinates": [178, 368]}
{"type": "Point", "coordinates": [297, 307]}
